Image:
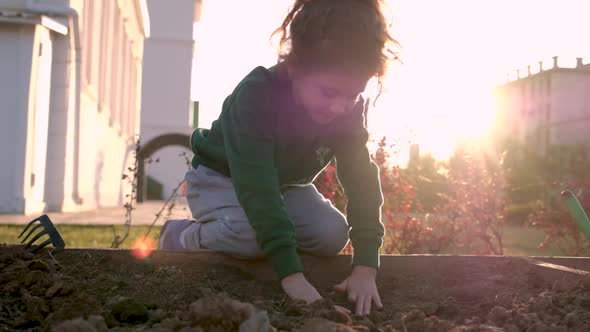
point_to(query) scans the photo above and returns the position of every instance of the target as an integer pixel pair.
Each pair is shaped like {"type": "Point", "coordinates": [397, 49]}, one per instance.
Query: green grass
{"type": "Point", "coordinates": [523, 241]}
{"type": "Point", "coordinates": [518, 240]}
{"type": "Point", "coordinates": [84, 236]}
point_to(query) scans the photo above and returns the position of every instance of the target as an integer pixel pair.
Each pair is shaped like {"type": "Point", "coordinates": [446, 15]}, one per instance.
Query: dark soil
{"type": "Point", "coordinates": [103, 290]}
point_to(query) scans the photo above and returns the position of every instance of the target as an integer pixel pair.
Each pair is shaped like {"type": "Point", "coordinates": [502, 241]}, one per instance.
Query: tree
{"type": "Point", "coordinates": [429, 180]}
{"type": "Point", "coordinates": [473, 215]}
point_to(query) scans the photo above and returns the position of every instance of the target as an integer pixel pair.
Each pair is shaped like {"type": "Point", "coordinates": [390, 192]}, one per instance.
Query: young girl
{"type": "Point", "coordinates": [250, 188]}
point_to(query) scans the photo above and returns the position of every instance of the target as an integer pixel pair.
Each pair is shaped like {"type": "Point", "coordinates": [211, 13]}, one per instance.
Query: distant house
{"type": "Point", "coordinates": [70, 77]}
{"type": "Point", "coordinates": [547, 107]}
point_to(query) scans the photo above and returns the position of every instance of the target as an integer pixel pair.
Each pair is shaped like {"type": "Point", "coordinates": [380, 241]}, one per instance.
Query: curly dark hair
{"type": "Point", "coordinates": [351, 34]}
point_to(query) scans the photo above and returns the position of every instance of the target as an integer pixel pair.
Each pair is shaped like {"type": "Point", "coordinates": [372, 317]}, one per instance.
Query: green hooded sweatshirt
{"type": "Point", "coordinates": [265, 143]}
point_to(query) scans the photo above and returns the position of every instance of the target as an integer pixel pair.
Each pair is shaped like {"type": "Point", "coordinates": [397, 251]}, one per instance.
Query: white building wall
{"type": "Point", "coordinates": [71, 118]}
{"type": "Point", "coordinates": [59, 147]}
{"type": "Point", "coordinates": [108, 122]}
{"type": "Point", "coordinates": [551, 107]}
{"type": "Point", "coordinates": [26, 73]}
{"type": "Point", "coordinates": [570, 111]}
{"type": "Point", "coordinates": [16, 49]}
{"type": "Point", "coordinates": [38, 121]}
{"type": "Point", "coordinates": [166, 105]}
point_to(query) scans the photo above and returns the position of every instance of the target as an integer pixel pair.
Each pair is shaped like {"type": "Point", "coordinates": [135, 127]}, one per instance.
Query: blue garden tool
{"type": "Point", "coordinates": [48, 229]}
{"type": "Point", "coordinates": [577, 212]}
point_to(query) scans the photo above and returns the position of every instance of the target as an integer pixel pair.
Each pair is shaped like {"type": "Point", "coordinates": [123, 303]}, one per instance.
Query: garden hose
{"type": "Point", "coordinates": [577, 212]}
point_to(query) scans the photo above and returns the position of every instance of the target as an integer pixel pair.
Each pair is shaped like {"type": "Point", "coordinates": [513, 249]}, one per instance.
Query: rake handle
{"type": "Point", "coordinates": [577, 212]}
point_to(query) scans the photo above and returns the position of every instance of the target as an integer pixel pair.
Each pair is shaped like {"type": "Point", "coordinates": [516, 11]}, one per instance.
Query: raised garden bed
{"type": "Point", "coordinates": [111, 290]}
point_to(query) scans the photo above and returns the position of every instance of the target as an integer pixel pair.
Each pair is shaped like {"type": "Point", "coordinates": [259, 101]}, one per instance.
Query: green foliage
{"type": "Point", "coordinates": [554, 219]}
{"type": "Point", "coordinates": [532, 173]}
{"type": "Point", "coordinates": [429, 180]}
{"type": "Point", "coordinates": [473, 197]}
{"type": "Point", "coordinates": [466, 203]}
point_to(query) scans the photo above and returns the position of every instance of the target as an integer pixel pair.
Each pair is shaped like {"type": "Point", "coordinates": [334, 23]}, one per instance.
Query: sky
{"type": "Point", "coordinates": [454, 52]}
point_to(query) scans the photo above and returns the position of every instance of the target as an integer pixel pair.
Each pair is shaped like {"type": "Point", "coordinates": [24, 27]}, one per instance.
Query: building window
{"type": "Point", "coordinates": [93, 12]}
{"type": "Point", "coordinates": [87, 42]}
{"type": "Point", "coordinates": [104, 50]}
{"type": "Point", "coordinates": [548, 86]}
{"type": "Point", "coordinates": [115, 67]}
{"type": "Point", "coordinates": [131, 108]}
{"type": "Point", "coordinates": [95, 41]}
{"type": "Point", "coordinates": [120, 72]}
{"type": "Point", "coordinates": [124, 88]}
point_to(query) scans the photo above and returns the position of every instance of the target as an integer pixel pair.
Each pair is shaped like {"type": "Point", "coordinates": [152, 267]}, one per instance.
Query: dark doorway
{"type": "Point", "coordinates": [147, 150]}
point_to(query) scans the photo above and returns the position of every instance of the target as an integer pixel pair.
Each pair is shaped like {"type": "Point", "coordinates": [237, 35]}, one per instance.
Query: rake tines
{"type": "Point", "coordinates": [48, 229]}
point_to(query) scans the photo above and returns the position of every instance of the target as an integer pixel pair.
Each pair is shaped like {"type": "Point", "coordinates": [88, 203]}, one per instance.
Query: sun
{"type": "Point", "coordinates": [436, 115]}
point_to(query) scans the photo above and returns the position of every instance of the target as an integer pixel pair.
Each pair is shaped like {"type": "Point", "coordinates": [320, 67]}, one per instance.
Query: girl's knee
{"type": "Point", "coordinates": [331, 236]}
{"type": "Point", "coordinates": [337, 241]}
{"type": "Point", "coordinates": [235, 239]}
{"type": "Point", "coordinates": [249, 251]}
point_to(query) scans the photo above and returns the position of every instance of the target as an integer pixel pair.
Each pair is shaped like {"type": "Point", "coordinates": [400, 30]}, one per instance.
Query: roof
{"type": "Point", "coordinates": [580, 69]}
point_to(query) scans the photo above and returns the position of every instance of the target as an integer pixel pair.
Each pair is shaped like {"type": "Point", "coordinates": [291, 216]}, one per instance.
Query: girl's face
{"type": "Point", "coordinates": [326, 94]}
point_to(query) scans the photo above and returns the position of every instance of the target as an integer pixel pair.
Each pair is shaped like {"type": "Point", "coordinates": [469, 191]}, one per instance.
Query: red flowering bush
{"type": "Point", "coordinates": [471, 220]}
{"type": "Point", "coordinates": [468, 218]}
{"type": "Point", "coordinates": [405, 232]}
{"type": "Point", "coordinates": [327, 184]}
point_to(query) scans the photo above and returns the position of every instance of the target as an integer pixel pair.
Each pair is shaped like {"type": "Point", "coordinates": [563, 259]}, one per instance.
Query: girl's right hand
{"type": "Point", "coordinates": [298, 288]}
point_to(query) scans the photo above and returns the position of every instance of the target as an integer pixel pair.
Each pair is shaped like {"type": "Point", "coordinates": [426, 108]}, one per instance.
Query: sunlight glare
{"type": "Point", "coordinates": [143, 247]}
{"type": "Point", "coordinates": [454, 53]}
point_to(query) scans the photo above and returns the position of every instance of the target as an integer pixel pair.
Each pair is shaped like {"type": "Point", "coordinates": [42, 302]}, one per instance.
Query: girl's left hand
{"type": "Point", "coordinates": [361, 289]}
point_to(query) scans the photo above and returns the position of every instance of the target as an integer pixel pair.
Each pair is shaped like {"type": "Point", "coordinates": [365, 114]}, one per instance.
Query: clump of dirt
{"type": "Point", "coordinates": [324, 325]}
{"type": "Point", "coordinates": [222, 313]}
{"type": "Point", "coordinates": [129, 311]}
{"type": "Point", "coordinates": [92, 324]}
{"type": "Point", "coordinates": [324, 308]}
{"type": "Point", "coordinates": [112, 291]}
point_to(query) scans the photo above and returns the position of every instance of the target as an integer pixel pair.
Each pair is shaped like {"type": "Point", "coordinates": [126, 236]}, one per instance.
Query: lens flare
{"type": "Point", "coordinates": [143, 247]}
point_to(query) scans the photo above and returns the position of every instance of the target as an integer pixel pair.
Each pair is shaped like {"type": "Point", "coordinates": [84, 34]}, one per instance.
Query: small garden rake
{"type": "Point", "coordinates": [48, 229]}
{"type": "Point", "coordinates": [577, 212]}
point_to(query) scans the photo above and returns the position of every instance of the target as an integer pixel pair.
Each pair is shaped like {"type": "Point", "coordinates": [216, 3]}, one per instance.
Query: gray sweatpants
{"type": "Point", "coordinates": [221, 223]}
